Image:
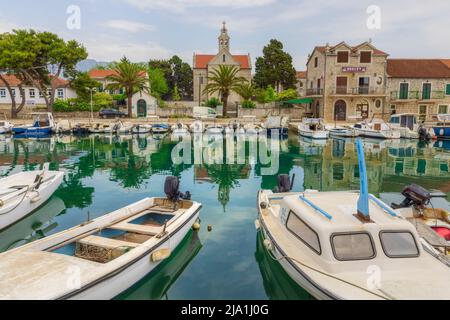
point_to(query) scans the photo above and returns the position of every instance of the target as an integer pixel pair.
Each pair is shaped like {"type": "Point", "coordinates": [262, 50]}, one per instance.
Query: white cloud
{"type": "Point", "coordinates": [129, 26]}
{"type": "Point", "coordinates": [181, 5]}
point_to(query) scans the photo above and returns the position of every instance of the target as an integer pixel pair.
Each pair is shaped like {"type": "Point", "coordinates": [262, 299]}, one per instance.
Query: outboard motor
{"type": "Point", "coordinates": [424, 135]}
{"type": "Point", "coordinates": [415, 195]}
{"type": "Point", "coordinates": [172, 190]}
{"type": "Point", "coordinates": [284, 183]}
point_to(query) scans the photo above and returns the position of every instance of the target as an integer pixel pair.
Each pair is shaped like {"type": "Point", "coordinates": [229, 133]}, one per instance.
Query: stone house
{"type": "Point", "coordinates": [420, 86]}
{"type": "Point", "coordinates": [347, 82]}
{"type": "Point", "coordinates": [301, 83]}
{"type": "Point", "coordinates": [203, 64]}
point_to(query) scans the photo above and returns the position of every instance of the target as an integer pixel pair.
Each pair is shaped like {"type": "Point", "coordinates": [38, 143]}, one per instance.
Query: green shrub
{"type": "Point", "coordinates": [248, 104]}
{"type": "Point", "coordinates": [288, 94]}
{"type": "Point", "coordinates": [213, 102]}
{"type": "Point", "coordinates": [102, 100]}
{"type": "Point", "coordinates": [75, 105]}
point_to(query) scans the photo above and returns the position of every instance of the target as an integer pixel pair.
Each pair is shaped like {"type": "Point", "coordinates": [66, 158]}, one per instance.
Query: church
{"type": "Point", "coordinates": [205, 63]}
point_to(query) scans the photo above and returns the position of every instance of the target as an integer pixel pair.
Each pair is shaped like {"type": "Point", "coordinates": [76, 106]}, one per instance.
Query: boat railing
{"type": "Point", "coordinates": [316, 208]}
{"type": "Point", "coordinates": [382, 205]}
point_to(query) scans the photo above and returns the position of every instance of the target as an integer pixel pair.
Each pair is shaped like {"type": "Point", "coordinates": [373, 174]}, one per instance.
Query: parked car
{"type": "Point", "coordinates": [111, 113]}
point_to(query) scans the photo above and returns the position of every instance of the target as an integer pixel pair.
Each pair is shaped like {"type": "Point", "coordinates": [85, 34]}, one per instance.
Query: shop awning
{"type": "Point", "coordinates": [299, 101]}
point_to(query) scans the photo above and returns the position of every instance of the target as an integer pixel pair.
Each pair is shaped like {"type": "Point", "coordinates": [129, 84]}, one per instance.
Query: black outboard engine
{"type": "Point", "coordinates": [284, 183]}
{"type": "Point", "coordinates": [172, 190]}
{"type": "Point", "coordinates": [424, 135]}
{"type": "Point", "coordinates": [415, 196]}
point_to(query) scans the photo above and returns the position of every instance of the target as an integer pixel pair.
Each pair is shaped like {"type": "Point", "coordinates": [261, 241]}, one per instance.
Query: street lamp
{"type": "Point", "coordinates": [92, 90]}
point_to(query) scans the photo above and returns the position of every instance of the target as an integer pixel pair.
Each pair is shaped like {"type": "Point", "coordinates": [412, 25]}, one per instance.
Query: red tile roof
{"type": "Point", "coordinates": [202, 60]}
{"type": "Point", "coordinates": [354, 48]}
{"type": "Point", "coordinates": [418, 68]}
{"type": "Point", "coordinates": [13, 81]}
{"type": "Point", "coordinates": [301, 74]}
{"type": "Point", "coordinates": [101, 73]}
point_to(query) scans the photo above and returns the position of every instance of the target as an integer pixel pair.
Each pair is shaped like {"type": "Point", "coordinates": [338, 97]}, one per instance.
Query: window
{"type": "Point", "coordinates": [49, 93]}
{"type": "Point", "coordinates": [364, 83]}
{"type": "Point", "coordinates": [442, 109]}
{"type": "Point", "coordinates": [393, 109]}
{"type": "Point", "coordinates": [447, 89]}
{"type": "Point", "coordinates": [40, 94]}
{"type": "Point", "coordinates": [316, 62]}
{"type": "Point", "coordinates": [426, 92]}
{"type": "Point", "coordinates": [342, 57]}
{"type": "Point", "coordinates": [2, 93]}
{"type": "Point", "coordinates": [352, 246]}
{"type": "Point", "coordinates": [32, 94]}
{"type": "Point", "coordinates": [365, 57]}
{"type": "Point", "coordinates": [399, 244]}
{"type": "Point", "coordinates": [60, 93]}
{"type": "Point", "coordinates": [224, 59]}
{"type": "Point", "coordinates": [404, 91]}
{"type": "Point", "coordinates": [13, 92]}
{"type": "Point", "coordinates": [423, 110]}
{"type": "Point", "coordinates": [318, 83]}
{"type": "Point", "coordinates": [302, 231]}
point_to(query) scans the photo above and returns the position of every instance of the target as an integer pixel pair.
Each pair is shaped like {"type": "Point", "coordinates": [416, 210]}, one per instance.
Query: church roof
{"type": "Point", "coordinates": [201, 61]}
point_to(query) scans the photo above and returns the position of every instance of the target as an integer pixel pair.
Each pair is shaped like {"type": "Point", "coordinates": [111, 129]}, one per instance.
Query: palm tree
{"type": "Point", "coordinates": [128, 76]}
{"type": "Point", "coordinates": [246, 90]}
{"type": "Point", "coordinates": [224, 80]}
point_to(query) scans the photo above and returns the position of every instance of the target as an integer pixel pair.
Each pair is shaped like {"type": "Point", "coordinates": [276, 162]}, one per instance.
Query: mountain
{"type": "Point", "coordinates": [89, 64]}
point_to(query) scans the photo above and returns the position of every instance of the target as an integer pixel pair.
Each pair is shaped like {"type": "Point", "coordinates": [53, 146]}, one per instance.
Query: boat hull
{"type": "Point", "coordinates": [378, 134]}
{"type": "Point", "coordinates": [116, 283]}
{"type": "Point", "coordinates": [442, 132]}
{"type": "Point", "coordinates": [29, 203]}
{"type": "Point", "coordinates": [318, 135]}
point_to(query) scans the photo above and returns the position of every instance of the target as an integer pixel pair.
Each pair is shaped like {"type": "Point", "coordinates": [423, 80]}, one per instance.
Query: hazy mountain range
{"type": "Point", "coordinates": [89, 64]}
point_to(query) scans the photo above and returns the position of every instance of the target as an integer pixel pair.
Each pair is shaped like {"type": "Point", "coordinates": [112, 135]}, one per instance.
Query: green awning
{"type": "Point", "coordinates": [299, 101]}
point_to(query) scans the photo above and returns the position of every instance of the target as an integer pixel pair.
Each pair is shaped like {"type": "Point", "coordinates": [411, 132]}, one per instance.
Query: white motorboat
{"type": "Point", "coordinates": [23, 193]}
{"type": "Point", "coordinates": [343, 132]}
{"type": "Point", "coordinates": [101, 258]}
{"type": "Point", "coordinates": [141, 129]}
{"type": "Point", "coordinates": [124, 127]}
{"type": "Point", "coordinates": [276, 124]}
{"type": "Point", "coordinates": [180, 129]}
{"type": "Point", "coordinates": [63, 127]}
{"type": "Point", "coordinates": [98, 128]}
{"type": "Point", "coordinates": [214, 129]}
{"type": "Point", "coordinates": [313, 128]}
{"type": "Point", "coordinates": [197, 127]}
{"type": "Point", "coordinates": [5, 126]}
{"type": "Point", "coordinates": [376, 128]}
{"type": "Point", "coordinates": [348, 245]}
{"type": "Point", "coordinates": [407, 124]}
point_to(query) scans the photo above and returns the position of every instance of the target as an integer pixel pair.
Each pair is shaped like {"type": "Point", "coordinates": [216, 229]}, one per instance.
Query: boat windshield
{"type": "Point", "coordinates": [399, 244]}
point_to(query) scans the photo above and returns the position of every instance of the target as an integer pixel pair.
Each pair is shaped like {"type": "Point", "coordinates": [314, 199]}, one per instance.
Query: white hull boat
{"type": "Point", "coordinates": [348, 245]}
{"type": "Point", "coordinates": [24, 192]}
{"type": "Point", "coordinates": [341, 132]}
{"type": "Point", "coordinates": [109, 254]}
{"type": "Point", "coordinates": [313, 128]}
{"type": "Point", "coordinates": [376, 129]}
{"type": "Point", "coordinates": [214, 129]}
{"type": "Point", "coordinates": [197, 127]}
{"type": "Point", "coordinates": [5, 127]}
{"type": "Point", "coordinates": [141, 129]}
{"type": "Point", "coordinates": [63, 127]}
{"type": "Point", "coordinates": [124, 128]}
{"type": "Point", "coordinates": [180, 129]}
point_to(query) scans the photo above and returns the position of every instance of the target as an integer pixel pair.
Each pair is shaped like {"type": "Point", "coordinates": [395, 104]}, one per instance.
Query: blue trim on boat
{"type": "Point", "coordinates": [383, 205]}
{"type": "Point", "coordinates": [363, 201]}
{"type": "Point", "coordinates": [442, 132]}
{"type": "Point", "coordinates": [312, 205]}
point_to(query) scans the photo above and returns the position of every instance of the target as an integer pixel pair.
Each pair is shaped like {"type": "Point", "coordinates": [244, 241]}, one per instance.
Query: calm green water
{"type": "Point", "coordinates": [107, 173]}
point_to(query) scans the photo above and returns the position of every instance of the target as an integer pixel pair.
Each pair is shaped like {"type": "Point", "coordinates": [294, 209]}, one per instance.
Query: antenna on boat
{"type": "Point", "coordinates": [363, 201]}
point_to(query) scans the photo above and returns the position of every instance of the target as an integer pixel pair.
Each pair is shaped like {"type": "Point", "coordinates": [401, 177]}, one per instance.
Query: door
{"type": "Point", "coordinates": [426, 92]}
{"type": "Point", "coordinates": [404, 89]}
{"type": "Point", "coordinates": [141, 108]}
{"type": "Point", "coordinates": [364, 83]}
{"type": "Point", "coordinates": [341, 85]}
{"type": "Point", "coordinates": [340, 110]}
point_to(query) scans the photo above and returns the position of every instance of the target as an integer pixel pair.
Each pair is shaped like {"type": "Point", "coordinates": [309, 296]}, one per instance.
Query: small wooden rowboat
{"type": "Point", "coordinates": [101, 258]}
{"type": "Point", "coordinates": [22, 193]}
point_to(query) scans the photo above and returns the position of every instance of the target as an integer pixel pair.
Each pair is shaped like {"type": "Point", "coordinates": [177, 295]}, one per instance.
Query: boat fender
{"type": "Point", "coordinates": [268, 244]}
{"type": "Point", "coordinates": [160, 255]}
{"type": "Point", "coordinates": [263, 205]}
{"type": "Point", "coordinates": [257, 225]}
{"type": "Point", "coordinates": [210, 228]}
{"type": "Point", "coordinates": [196, 226]}
{"type": "Point", "coordinates": [2, 203]}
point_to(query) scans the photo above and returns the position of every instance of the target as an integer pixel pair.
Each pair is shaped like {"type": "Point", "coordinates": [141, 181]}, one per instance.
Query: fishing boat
{"type": "Point", "coordinates": [276, 125]}
{"type": "Point", "coordinates": [160, 128]}
{"type": "Point", "coordinates": [109, 253]}
{"type": "Point", "coordinates": [343, 132]}
{"type": "Point", "coordinates": [63, 127]}
{"type": "Point", "coordinates": [141, 129]}
{"type": "Point", "coordinates": [313, 128]}
{"type": "Point", "coordinates": [336, 245]}
{"type": "Point", "coordinates": [80, 129]}
{"type": "Point", "coordinates": [24, 192]}
{"type": "Point", "coordinates": [179, 129]}
{"type": "Point", "coordinates": [43, 124]}
{"type": "Point", "coordinates": [5, 125]}
{"type": "Point", "coordinates": [442, 126]}
{"type": "Point", "coordinates": [407, 124]}
{"type": "Point", "coordinates": [123, 127]}
{"type": "Point", "coordinates": [98, 127]}
{"type": "Point", "coordinates": [376, 128]}
{"type": "Point", "coordinates": [197, 127]}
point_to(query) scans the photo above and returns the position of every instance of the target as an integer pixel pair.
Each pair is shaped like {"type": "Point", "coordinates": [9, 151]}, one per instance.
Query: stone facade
{"type": "Point", "coordinates": [205, 63]}
{"type": "Point", "coordinates": [301, 83]}
{"type": "Point", "coordinates": [347, 83]}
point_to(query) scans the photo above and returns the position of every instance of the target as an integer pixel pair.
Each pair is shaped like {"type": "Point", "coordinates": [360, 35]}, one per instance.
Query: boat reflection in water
{"type": "Point", "coordinates": [277, 283]}
{"type": "Point", "coordinates": [157, 283]}
{"type": "Point", "coordinates": [33, 227]}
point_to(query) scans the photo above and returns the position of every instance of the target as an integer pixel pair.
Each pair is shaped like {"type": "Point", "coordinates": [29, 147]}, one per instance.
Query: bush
{"type": "Point", "coordinates": [288, 94]}
{"type": "Point", "coordinates": [75, 105]}
{"type": "Point", "coordinates": [248, 104]}
{"type": "Point", "coordinates": [102, 100]}
{"type": "Point", "coordinates": [213, 102]}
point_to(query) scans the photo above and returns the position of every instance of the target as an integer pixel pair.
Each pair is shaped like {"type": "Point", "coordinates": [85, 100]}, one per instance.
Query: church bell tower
{"type": "Point", "coordinates": [224, 38]}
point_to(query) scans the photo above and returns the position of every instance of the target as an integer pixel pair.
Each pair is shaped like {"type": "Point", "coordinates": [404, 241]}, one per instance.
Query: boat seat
{"type": "Point", "coordinates": [137, 228]}
{"type": "Point", "coordinates": [100, 249]}
{"type": "Point", "coordinates": [106, 243]}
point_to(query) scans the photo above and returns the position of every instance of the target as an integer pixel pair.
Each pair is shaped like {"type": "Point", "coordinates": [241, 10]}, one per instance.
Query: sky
{"type": "Point", "coordinates": [158, 29]}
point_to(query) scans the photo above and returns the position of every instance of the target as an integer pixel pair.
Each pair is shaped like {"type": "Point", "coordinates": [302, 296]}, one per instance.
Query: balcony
{"type": "Point", "coordinates": [417, 95]}
{"type": "Point", "coordinates": [314, 92]}
{"type": "Point", "coordinates": [358, 91]}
